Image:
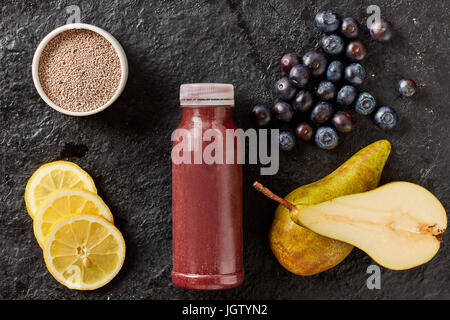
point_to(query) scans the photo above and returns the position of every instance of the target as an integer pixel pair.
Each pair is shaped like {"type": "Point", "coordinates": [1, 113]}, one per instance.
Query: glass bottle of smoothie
{"type": "Point", "coordinates": [206, 191]}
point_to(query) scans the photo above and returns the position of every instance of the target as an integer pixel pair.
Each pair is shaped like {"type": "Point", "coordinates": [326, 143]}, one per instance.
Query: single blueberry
{"type": "Point", "coordinates": [346, 95]}
{"type": "Point", "coordinates": [288, 61]}
{"type": "Point", "coordinates": [287, 141]}
{"type": "Point", "coordinates": [386, 118]}
{"type": "Point", "coordinates": [261, 115]}
{"type": "Point", "coordinates": [335, 71]}
{"type": "Point", "coordinates": [407, 87]}
{"type": "Point", "coordinates": [342, 121]}
{"type": "Point", "coordinates": [304, 131]}
{"type": "Point", "coordinates": [355, 74]}
{"type": "Point", "coordinates": [316, 62]}
{"type": "Point", "coordinates": [381, 30]}
{"type": "Point", "coordinates": [356, 51]}
{"type": "Point", "coordinates": [350, 28]}
{"type": "Point", "coordinates": [299, 75]}
{"type": "Point", "coordinates": [321, 112]}
{"type": "Point", "coordinates": [326, 138]}
{"type": "Point", "coordinates": [303, 101]}
{"type": "Point", "coordinates": [326, 21]}
{"type": "Point", "coordinates": [365, 104]}
{"type": "Point", "coordinates": [283, 111]}
{"type": "Point", "coordinates": [284, 89]}
{"type": "Point", "coordinates": [326, 90]}
{"type": "Point", "coordinates": [333, 44]}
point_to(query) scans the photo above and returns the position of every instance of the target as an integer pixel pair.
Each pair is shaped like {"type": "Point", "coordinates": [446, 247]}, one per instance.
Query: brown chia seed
{"type": "Point", "coordinates": [79, 70]}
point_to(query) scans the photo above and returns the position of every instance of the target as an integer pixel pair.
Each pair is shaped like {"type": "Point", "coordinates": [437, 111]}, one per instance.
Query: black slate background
{"type": "Point", "coordinates": [127, 147]}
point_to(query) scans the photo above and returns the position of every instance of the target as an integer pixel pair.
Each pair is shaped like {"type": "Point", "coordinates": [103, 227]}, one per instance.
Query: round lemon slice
{"type": "Point", "coordinates": [84, 252]}
{"type": "Point", "coordinates": [55, 176]}
{"type": "Point", "coordinates": [65, 202]}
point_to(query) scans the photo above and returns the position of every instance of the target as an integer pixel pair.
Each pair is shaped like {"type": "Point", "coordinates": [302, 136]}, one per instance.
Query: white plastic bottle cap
{"type": "Point", "coordinates": [207, 94]}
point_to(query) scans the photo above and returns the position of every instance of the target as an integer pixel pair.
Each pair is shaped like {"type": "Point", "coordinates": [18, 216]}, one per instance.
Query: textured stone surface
{"type": "Point", "coordinates": [127, 147]}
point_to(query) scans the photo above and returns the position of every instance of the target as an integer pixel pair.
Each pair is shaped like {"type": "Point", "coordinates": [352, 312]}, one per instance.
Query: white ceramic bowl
{"type": "Point", "coordinates": [117, 47]}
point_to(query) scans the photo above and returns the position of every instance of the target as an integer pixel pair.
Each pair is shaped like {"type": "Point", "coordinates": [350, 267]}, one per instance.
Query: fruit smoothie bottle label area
{"type": "Point", "coordinates": [200, 145]}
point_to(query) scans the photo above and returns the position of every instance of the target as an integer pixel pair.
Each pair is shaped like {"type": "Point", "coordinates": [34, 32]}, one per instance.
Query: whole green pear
{"type": "Point", "coordinates": [304, 252]}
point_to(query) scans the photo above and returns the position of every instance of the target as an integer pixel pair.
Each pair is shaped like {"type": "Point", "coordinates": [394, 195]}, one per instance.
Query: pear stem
{"type": "Point", "coordinates": [258, 186]}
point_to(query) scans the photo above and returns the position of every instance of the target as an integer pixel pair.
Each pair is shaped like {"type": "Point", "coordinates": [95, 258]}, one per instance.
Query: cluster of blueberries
{"type": "Point", "coordinates": [311, 85]}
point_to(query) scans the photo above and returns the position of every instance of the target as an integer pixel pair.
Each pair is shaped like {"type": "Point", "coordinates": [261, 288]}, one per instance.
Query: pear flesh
{"type": "Point", "coordinates": [399, 225]}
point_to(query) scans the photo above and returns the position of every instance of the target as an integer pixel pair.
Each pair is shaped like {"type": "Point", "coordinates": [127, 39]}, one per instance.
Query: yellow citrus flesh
{"type": "Point", "coordinates": [84, 252]}
{"type": "Point", "coordinates": [55, 176]}
{"type": "Point", "coordinates": [66, 202]}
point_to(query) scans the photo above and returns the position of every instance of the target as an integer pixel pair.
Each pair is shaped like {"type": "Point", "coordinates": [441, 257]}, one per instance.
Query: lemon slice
{"type": "Point", "coordinates": [54, 176]}
{"type": "Point", "coordinates": [84, 252]}
{"type": "Point", "coordinates": [65, 202]}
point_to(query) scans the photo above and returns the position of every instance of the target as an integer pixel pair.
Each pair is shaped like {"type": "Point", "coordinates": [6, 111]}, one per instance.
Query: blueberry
{"type": "Point", "coordinates": [365, 104]}
{"type": "Point", "coordinates": [284, 89]}
{"type": "Point", "coordinates": [350, 28]}
{"type": "Point", "coordinates": [386, 118]}
{"type": "Point", "coordinates": [355, 74]}
{"type": "Point", "coordinates": [342, 121]}
{"type": "Point", "coordinates": [288, 61]}
{"type": "Point", "coordinates": [326, 138]}
{"type": "Point", "coordinates": [326, 90]}
{"type": "Point", "coordinates": [322, 112]}
{"type": "Point", "coordinates": [381, 30]}
{"type": "Point", "coordinates": [335, 71]}
{"type": "Point", "coordinates": [261, 115]}
{"type": "Point", "coordinates": [287, 141]}
{"type": "Point", "coordinates": [407, 87]}
{"type": "Point", "coordinates": [346, 95]}
{"type": "Point", "coordinates": [303, 101]}
{"type": "Point", "coordinates": [304, 131]}
{"type": "Point", "coordinates": [299, 75]}
{"type": "Point", "coordinates": [316, 62]}
{"type": "Point", "coordinates": [326, 21]}
{"type": "Point", "coordinates": [356, 51]}
{"type": "Point", "coordinates": [333, 44]}
{"type": "Point", "coordinates": [283, 111]}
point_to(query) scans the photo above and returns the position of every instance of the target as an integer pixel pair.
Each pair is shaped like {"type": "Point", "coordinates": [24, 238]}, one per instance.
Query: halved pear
{"type": "Point", "coordinates": [399, 224]}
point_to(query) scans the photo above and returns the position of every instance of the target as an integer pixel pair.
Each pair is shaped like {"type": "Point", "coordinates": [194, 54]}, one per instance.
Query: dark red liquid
{"type": "Point", "coordinates": [207, 211]}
